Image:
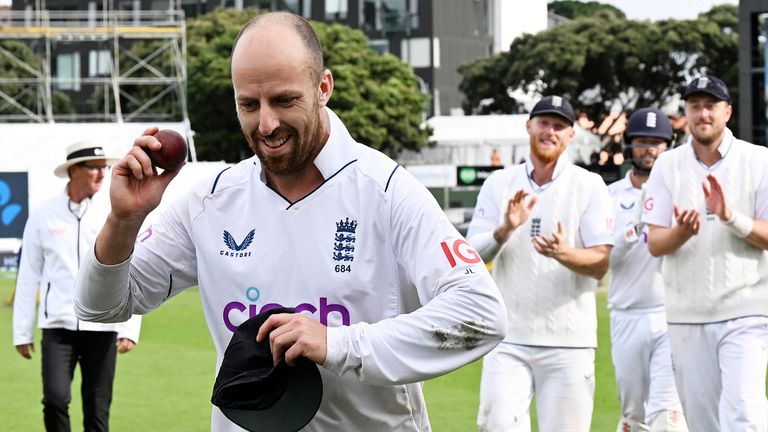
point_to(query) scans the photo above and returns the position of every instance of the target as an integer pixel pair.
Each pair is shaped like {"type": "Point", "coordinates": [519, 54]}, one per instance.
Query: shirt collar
{"type": "Point", "coordinates": [560, 165]}
{"type": "Point", "coordinates": [726, 143]}
{"type": "Point", "coordinates": [724, 146]}
{"type": "Point", "coordinates": [628, 181]}
{"type": "Point", "coordinates": [336, 152]}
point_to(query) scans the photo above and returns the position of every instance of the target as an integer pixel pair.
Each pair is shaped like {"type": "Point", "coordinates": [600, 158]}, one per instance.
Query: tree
{"type": "Point", "coordinates": [376, 96]}
{"type": "Point", "coordinates": [572, 9]}
{"type": "Point", "coordinates": [709, 44]}
{"type": "Point", "coordinates": [603, 60]}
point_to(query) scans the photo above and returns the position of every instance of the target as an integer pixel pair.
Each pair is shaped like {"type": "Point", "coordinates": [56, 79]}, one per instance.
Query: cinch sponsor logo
{"type": "Point", "coordinates": [252, 295]}
{"type": "Point", "coordinates": [235, 249]}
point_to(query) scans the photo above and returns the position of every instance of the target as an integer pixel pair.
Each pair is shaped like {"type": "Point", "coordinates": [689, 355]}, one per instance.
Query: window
{"type": "Point", "coordinates": [368, 14]}
{"type": "Point", "coordinates": [160, 5]}
{"type": "Point", "coordinates": [381, 46]}
{"type": "Point", "coordinates": [416, 52]}
{"type": "Point", "coordinates": [389, 16]}
{"type": "Point", "coordinates": [394, 16]}
{"type": "Point", "coordinates": [127, 5]}
{"type": "Point", "coordinates": [336, 10]}
{"type": "Point", "coordinates": [294, 6]}
{"type": "Point", "coordinates": [99, 63]}
{"type": "Point", "coordinates": [299, 7]}
{"type": "Point", "coordinates": [68, 71]}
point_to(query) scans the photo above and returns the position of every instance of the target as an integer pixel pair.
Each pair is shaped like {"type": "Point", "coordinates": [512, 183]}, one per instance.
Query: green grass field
{"type": "Point", "coordinates": [165, 383]}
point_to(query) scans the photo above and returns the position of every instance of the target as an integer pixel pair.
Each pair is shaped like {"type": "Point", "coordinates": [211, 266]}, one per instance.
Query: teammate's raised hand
{"type": "Point", "coordinates": [517, 210]}
{"type": "Point", "coordinates": [552, 246]}
{"type": "Point", "coordinates": [516, 214]}
{"type": "Point", "coordinates": [687, 220]}
{"type": "Point", "coordinates": [714, 197]}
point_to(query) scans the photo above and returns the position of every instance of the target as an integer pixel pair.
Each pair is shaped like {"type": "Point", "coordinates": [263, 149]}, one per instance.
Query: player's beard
{"type": "Point", "coordinates": [545, 156]}
{"type": "Point", "coordinates": [643, 164]}
{"type": "Point", "coordinates": [710, 137]}
{"type": "Point", "coordinates": [304, 147]}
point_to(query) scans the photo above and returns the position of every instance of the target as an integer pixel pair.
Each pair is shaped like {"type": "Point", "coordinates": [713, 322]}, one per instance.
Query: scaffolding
{"type": "Point", "coordinates": [125, 90]}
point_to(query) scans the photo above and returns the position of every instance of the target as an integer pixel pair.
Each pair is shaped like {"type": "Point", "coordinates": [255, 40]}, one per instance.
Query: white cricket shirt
{"type": "Point", "coordinates": [547, 304]}
{"type": "Point", "coordinates": [369, 253]}
{"type": "Point", "coordinates": [636, 281]}
{"type": "Point", "coordinates": [715, 275]}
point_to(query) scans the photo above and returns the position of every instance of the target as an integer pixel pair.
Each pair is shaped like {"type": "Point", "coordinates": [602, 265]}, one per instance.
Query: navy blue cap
{"type": "Point", "coordinates": [709, 84]}
{"type": "Point", "coordinates": [257, 394]}
{"type": "Point", "coordinates": [649, 122]}
{"type": "Point", "coordinates": [554, 105]}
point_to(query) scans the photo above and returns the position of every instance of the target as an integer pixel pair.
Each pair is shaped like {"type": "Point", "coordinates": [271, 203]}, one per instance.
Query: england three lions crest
{"type": "Point", "coordinates": [344, 240]}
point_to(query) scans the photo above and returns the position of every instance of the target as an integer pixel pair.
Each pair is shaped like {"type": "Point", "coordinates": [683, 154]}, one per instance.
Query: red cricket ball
{"type": "Point", "coordinates": [173, 153]}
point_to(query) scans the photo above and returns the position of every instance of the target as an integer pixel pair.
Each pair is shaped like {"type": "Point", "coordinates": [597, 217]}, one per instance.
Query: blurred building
{"type": "Point", "coordinates": [435, 37]}
{"type": "Point", "coordinates": [74, 62]}
{"type": "Point", "coordinates": [69, 73]}
{"type": "Point", "coordinates": [753, 71]}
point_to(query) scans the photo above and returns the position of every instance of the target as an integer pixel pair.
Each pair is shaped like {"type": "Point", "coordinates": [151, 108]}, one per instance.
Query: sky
{"type": "Point", "coordinates": [663, 9]}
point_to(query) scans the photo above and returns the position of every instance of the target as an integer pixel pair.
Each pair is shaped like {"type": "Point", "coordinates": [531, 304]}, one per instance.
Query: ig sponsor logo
{"type": "Point", "coordinates": [462, 250]}
{"type": "Point", "coordinates": [648, 204]}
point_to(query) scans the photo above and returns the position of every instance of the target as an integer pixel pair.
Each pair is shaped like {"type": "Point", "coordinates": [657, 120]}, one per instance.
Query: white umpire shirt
{"type": "Point", "coordinates": [57, 236]}
{"type": "Point", "coordinates": [369, 253]}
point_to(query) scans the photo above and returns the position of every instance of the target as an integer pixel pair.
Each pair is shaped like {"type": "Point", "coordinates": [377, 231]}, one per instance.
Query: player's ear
{"type": "Point", "coordinates": [326, 88]}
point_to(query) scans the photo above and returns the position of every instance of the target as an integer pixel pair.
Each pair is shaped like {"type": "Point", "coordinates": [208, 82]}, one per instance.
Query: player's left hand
{"type": "Point", "coordinates": [124, 345]}
{"type": "Point", "coordinates": [294, 335]}
{"type": "Point", "coordinates": [551, 246]}
{"type": "Point", "coordinates": [714, 197]}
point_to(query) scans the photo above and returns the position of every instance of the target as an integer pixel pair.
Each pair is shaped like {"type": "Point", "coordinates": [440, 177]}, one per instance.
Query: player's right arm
{"type": "Point", "coordinates": [664, 241]}
{"type": "Point", "coordinates": [112, 282]}
{"type": "Point", "coordinates": [669, 227]}
{"type": "Point", "coordinates": [485, 232]}
{"type": "Point", "coordinates": [135, 191]}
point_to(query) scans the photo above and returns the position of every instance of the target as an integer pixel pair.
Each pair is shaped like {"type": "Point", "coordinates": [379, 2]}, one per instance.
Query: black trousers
{"type": "Point", "coordinates": [62, 350]}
